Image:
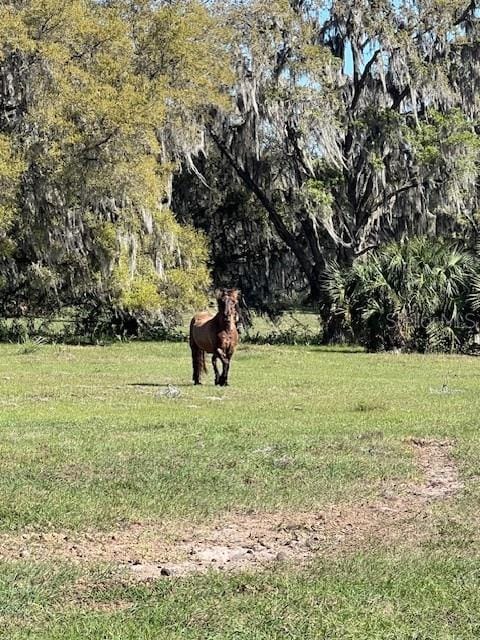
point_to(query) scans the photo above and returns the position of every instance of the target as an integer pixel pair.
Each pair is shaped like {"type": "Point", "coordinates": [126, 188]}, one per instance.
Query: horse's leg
{"type": "Point", "coordinates": [223, 380]}
{"type": "Point", "coordinates": [215, 368]}
{"type": "Point", "coordinates": [197, 362]}
{"type": "Point", "coordinates": [226, 368]}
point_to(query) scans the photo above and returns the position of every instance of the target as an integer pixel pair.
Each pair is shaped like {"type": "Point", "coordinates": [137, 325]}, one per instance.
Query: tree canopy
{"type": "Point", "coordinates": [296, 134]}
{"type": "Point", "coordinates": [355, 122]}
{"type": "Point", "coordinates": [99, 101]}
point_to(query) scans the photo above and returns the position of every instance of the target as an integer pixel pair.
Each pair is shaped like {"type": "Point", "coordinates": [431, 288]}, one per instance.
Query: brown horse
{"type": "Point", "coordinates": [216, 335]}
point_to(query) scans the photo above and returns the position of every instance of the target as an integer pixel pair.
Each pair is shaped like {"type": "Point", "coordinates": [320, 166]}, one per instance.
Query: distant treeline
{"type": "Point", "coordinates": [152, 150]}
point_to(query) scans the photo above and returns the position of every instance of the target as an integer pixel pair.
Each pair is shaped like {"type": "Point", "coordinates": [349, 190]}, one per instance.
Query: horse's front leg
{"type": "Point", "coordinates": [215, 369]}
{"type": "Point", "coordinates": [226, 367]}
{"type": "Point", "coordinates": [223, 380]}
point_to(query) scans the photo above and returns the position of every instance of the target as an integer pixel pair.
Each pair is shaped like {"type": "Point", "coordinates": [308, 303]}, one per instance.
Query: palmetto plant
{"type": "Point", "coordinates": [414, 294]}
{"type": "Point", "coordinates": [336, 285]}
{"type": "Point", "coordinates": [474, 295]}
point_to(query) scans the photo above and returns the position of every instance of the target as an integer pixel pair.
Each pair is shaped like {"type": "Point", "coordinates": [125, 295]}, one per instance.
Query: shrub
{"type": "Point", "coordinates": [416, 295]}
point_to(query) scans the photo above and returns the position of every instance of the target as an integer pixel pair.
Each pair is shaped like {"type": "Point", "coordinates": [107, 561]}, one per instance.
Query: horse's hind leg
{"type": "Point", "coordinates": [215, 369]}
{"type": "Point", "coordinates": [197, 362]}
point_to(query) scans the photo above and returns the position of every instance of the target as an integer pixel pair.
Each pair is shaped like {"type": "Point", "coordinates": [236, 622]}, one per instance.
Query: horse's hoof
{"type": "Point", "coordinates": [197, 383]}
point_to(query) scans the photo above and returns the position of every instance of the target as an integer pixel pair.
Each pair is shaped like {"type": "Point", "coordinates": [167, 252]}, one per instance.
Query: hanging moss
{"type": "Point", "coordinates": [347, 91]}
{"type": "Point", "coordinates": [92, 105]}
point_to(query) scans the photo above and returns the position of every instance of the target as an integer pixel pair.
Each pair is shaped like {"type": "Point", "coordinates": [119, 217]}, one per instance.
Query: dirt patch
{"type": "Point", "coordinates": [441, 478]}
{"type": "Point", "coordinates": [152, 550]}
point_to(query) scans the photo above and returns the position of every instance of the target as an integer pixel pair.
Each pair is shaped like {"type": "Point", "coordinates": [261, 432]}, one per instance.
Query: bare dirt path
{"type": "Point", "coordinates": [151, 550]}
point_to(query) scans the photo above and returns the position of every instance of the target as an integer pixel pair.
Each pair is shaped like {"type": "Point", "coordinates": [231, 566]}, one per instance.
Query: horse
{"type": "Point", "coordinates": [217, 335]}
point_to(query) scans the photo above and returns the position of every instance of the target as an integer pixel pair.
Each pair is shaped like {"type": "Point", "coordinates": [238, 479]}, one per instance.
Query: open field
{"type": "Point", "coordinates": [373, 457]}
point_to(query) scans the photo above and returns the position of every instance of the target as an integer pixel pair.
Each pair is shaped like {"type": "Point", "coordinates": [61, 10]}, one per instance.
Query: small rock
{"type": "Point", "coordinates": [169, 392]}
{"type": "Point", "coordinates": [24, 553]}
{"type": "Point", "coordinates": [136, 562]}
{"type": "Point", "coordinates": [165, 571]}
{"type": "Point", "coordinates": [281, 555]}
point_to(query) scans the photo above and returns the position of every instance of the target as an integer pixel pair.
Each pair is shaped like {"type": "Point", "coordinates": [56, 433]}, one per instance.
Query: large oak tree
{"type": "Point", "coordinates": [354, 122]}
{"type": "Point", "coordinates": [98, 102]}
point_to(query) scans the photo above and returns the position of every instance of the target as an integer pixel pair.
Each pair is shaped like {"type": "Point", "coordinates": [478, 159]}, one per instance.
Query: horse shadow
{"type": "Point", "coordinates": [158, 384]}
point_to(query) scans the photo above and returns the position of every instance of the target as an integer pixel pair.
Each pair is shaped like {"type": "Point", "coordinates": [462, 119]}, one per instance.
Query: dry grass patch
{"type": "Point", "coordinates": [152, 550]}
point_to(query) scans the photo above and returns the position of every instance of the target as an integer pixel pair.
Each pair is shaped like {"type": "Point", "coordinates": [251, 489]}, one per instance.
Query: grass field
{"type": "Point", "coordinates": [90, 441]}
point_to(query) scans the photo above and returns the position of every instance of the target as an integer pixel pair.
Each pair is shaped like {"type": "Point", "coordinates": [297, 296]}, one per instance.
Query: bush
{"type": "Point", "coordinates": [418, 295]}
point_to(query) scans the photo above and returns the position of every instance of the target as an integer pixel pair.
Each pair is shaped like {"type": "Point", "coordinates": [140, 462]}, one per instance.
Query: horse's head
{"type": "Point", "coordinates": [228, 304]}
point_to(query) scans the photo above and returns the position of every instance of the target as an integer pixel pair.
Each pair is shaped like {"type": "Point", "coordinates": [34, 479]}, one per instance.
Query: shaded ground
{"type": "Point", "coordinates": [151, 550]}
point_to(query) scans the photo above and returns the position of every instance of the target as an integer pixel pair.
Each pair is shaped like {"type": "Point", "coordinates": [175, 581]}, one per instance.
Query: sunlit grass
{"type": "Point", "coordinates": [90, 439]}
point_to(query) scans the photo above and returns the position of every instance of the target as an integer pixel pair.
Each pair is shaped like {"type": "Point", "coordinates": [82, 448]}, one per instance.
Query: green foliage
{"type": "Point", "coordinates": [414, 295]}
{"type": "Point", "coordinates": [111, 89]}
{"type": "Point", "coordinates": [318, 194]}
{"type": "Point", "coordinates": [11, 168]}
{"type": "Point", "coordinates": [137, 288]}
{"type": "Point", "coordinates": [292, 336]}
{"type": "Point", "coordinates": [447, 141]}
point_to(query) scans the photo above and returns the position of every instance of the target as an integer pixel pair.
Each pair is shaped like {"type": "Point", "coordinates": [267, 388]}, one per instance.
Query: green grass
{"type": "Point", "coordinates": [376, 596]}
{"type": "Point", "coordinates": [88, 440]}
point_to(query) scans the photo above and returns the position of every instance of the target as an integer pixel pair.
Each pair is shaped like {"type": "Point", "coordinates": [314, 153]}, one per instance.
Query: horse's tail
{"type": "Point", "coordinates": [198, 357]}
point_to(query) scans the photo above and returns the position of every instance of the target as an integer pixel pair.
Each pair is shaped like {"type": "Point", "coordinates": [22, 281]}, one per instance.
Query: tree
{"type": "Point", "coordinates": [244, 249]}
{"type": "Point", "coordinates": [94, 98]}
{"type": "Point", "coordinates": [340, 120]}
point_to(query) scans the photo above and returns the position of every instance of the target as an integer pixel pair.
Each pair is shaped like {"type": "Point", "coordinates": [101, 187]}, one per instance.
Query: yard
{"type": "Point", "coordinates": [327, 493]}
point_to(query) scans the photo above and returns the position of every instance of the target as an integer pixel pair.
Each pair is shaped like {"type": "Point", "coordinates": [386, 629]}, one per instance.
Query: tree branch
{"type": "Point", "coordinates": [285, 234]}
{"type": "Point", "coordinates": [464, 15]}
{"type": "Point", "coordinates": [370, 247]}
{"type": "Point", "coordinates": [397, 192]}
{"type": "Point", "coordinates": [101, 142]}
{"type": "Point", "coordinates": [399, 98]}
{"type": "Point", "coordinates": [363, 79]}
